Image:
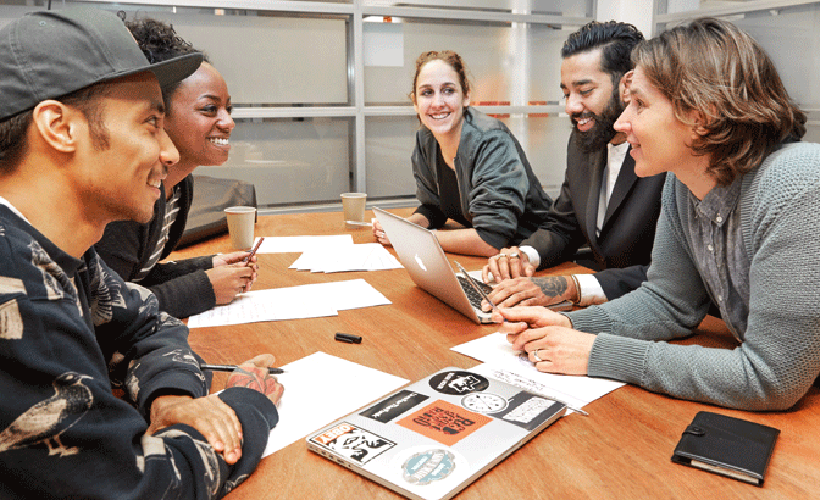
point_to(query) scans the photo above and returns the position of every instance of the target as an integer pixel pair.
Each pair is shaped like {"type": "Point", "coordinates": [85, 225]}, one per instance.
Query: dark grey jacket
{"type": "Point", "coordinates": [500, 195]}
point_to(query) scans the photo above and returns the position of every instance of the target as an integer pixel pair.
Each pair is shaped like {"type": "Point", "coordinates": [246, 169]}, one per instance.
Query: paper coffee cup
{"type": "Point", "coordinates": [240, 226]}
{"type": "Point", "coordinates": [354, 205]}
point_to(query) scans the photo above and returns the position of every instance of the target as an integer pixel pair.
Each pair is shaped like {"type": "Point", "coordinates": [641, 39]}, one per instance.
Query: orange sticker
{"type": "Point", "coordinates": [445, 422]}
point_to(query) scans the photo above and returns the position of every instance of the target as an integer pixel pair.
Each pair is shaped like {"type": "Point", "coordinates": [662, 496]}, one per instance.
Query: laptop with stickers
{"type": "Point", "coordinates": [420, 253]}
{"type": "Point", "coordinates": [431, 439]}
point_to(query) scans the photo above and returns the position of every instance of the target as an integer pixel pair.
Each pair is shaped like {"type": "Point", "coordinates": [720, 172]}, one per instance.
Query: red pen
{"type": "Point", "coordinates": [253, 251]}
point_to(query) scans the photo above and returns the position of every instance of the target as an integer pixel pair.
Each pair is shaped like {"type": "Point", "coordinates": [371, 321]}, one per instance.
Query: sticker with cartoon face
{"type": "Point", "coordinates": [353, 442]}
{"type": "Point", "coordinates": [458, 383]}
{"type": "Point", "coordinates": [484, 402]}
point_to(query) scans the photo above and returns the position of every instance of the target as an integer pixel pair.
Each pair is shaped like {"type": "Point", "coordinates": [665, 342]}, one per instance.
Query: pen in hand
{"type": "Point", "coordinates": [229, 368]}
{"type": "Point", "coordinates": [253, 251]}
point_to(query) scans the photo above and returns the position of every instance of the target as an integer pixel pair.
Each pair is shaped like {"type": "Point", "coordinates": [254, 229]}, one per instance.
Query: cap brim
{"type": "Point", "coordinates": [167, 72]}
{"type": "Point", "coordinates": [177, 69]}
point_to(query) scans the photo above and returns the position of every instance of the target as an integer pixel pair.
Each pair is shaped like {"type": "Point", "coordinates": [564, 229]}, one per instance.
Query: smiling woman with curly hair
{"type": "Point", "coordinates": [198, 121]}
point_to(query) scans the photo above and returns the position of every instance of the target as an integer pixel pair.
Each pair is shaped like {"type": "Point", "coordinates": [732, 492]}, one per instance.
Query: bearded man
{"type": "Point", "coordinates": [602, 203]}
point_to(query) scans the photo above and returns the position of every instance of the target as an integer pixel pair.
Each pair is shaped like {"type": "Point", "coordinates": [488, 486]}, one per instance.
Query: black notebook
{"type": "Point", "coordinates": [726, 445]}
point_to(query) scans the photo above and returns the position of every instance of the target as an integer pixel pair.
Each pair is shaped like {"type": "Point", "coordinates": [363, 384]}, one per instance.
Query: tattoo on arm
{"type": "Point", "coordinates": [258, 380]}
{"type": "Point", "coordinates": [243, 378]}
{"type": "Point", "coordinates": [553, 286]}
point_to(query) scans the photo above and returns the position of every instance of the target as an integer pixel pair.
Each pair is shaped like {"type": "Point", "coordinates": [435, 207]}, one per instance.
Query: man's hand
{"type": "Point", "coordinates": [253, 374]}
{"type": "Point", "coordinates": [532, 292]}
{"type": "Point", "coordinates": [213, 417]}
{"type": "Point", "coordinates": [209, 415]}
{"type": "Point", "coordinates": [509, 263]}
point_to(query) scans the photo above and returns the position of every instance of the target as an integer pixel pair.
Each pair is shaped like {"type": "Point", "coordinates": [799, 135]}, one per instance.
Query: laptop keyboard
{"type": "Point", "coordinates": [472, 294]}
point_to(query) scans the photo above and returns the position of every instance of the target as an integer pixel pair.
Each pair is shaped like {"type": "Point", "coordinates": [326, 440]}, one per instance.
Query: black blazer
{"type": "Point", "coordinates": [622, 251]}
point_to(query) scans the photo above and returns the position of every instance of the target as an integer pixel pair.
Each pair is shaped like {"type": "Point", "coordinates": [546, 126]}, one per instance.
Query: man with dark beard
{"type": "Point", "coordinates": [602, 203]}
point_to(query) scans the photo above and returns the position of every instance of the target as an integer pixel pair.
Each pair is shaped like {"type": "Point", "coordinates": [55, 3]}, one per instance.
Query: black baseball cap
{"type": "Point", "coordinates": [48, 54]}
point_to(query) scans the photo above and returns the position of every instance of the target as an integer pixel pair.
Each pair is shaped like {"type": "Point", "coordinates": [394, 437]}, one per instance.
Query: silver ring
{"type": "Point", "coordinates": [515, 255]}
{"type": "Point", "coordinates": [535, 355]}
{"type": "Point", "coordinates": [495, 257]}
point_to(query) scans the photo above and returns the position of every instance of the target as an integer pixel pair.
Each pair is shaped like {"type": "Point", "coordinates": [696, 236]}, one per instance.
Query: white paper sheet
{"type": "Point", "coordinates": [305, 301]}
{"type": "Point", "coordinates": [321, 388]}
{"type": "Point", "coordinates": [281, 244]}
{"type": "Point", "coordinates": [345, 295]}
{"type": "Point", "coordinates": [362, 257]}
{"type": "Point", "coordinates": [498, 355]}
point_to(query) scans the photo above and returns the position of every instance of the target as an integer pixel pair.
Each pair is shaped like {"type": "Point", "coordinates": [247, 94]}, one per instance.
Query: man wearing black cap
{"type": "Point", "coordinates": [82, 144]}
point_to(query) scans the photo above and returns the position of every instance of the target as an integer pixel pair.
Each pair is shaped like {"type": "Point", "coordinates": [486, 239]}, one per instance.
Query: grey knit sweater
{"type": "Point", "coordinates": [778, 356]}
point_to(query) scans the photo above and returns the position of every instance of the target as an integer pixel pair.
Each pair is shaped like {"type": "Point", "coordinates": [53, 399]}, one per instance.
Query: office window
{"type": "Point", "coordinates": [290, 160]}
{"type": "Point", "coordinates": [318, 114]}
{"type": "Point", "coordinates": [790, 34]}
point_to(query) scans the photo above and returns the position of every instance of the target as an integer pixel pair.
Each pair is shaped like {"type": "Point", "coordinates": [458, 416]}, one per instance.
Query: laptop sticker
{"type": "Point", "coordinates": [484, 402]}
{"type": "Point", "coordinates": [458, 383]}
{"type": "Point", "coordinates": [526, 410]}
{"type": "Point", "coordinates": [428, 466]}
{"type": "Point", "coordinates": [390, 408]}
{"type": "Point", "coordinates": [353, 442]}
{"type": "Point", "coordinates": [444, 422]}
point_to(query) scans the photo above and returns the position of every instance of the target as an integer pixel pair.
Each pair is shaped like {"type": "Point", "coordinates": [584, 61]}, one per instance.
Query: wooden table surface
{"type": "Point", "coordinates": [620, 451]}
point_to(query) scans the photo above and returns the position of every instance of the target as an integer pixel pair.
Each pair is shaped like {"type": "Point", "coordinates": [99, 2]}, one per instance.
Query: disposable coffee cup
{"type": "Point", "coordinates": [353, 205]}
{"type": "Point", "coordinates": [240, 226]}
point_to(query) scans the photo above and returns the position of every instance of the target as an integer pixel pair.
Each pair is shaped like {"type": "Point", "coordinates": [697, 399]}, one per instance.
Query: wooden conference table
{"type": "Point", "coordinates": [620, 451]}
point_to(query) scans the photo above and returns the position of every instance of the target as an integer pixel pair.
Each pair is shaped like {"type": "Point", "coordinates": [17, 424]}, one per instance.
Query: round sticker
{"type": "Point", "coordinates": [458, 383]}
{"type": "Point", "coordinates": [428, 466]}
{"type": "Point", "coordinates": [484, 402]}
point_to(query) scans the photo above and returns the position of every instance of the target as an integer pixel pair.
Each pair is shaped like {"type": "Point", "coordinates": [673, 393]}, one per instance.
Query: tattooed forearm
{"type": "Point", "coordinates": [553, 286]}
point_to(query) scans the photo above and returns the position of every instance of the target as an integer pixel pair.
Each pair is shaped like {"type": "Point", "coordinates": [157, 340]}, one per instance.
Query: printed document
{"type": "Point", "coordinates": [503, 363]}
{"type": "Point", "coordinates": [362, 257]}
{"type": "Point", "coordinates": [306, 301]}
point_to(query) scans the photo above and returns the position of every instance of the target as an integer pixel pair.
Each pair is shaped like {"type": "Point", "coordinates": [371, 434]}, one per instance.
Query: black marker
{"type": "Point", "coordinates": [230, 368]}
{"type": "Point", "coordinates": [350, 339]}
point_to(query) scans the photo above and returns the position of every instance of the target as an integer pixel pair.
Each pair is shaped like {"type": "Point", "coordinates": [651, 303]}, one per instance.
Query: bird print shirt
{"type": "Point", "coordinates": [71, 331]}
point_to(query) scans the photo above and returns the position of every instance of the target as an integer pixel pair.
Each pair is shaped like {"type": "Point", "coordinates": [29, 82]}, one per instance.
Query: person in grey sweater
{"type": "Point", "coordinates": [738, 229]}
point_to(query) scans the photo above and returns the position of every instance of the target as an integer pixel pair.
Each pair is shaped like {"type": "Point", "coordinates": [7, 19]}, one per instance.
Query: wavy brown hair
{"type": "Point", "coordinates": [712, 67]}
{"type": "Point", "coordinates": [448, 56]}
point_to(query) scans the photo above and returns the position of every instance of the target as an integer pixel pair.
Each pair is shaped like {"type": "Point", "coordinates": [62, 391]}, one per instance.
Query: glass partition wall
{"type": "Point", "coordinates": [320, 88]}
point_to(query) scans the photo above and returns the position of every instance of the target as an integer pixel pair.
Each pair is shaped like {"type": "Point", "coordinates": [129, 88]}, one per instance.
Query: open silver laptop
{"type": "Point", "coordinates": [431, 439]}
{"type": "Point", "coordinates": [420, 253]}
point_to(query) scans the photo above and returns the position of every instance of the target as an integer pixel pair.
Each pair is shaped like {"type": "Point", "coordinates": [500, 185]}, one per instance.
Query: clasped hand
{"type": "Point", "coordinates": [211, 416]}
{"type": "Point", "coordinates": [548, 339]}
{"type": "Point", "coordinates": [231, 276]}
{"type": "Point", "coordinates": [508, 263]}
